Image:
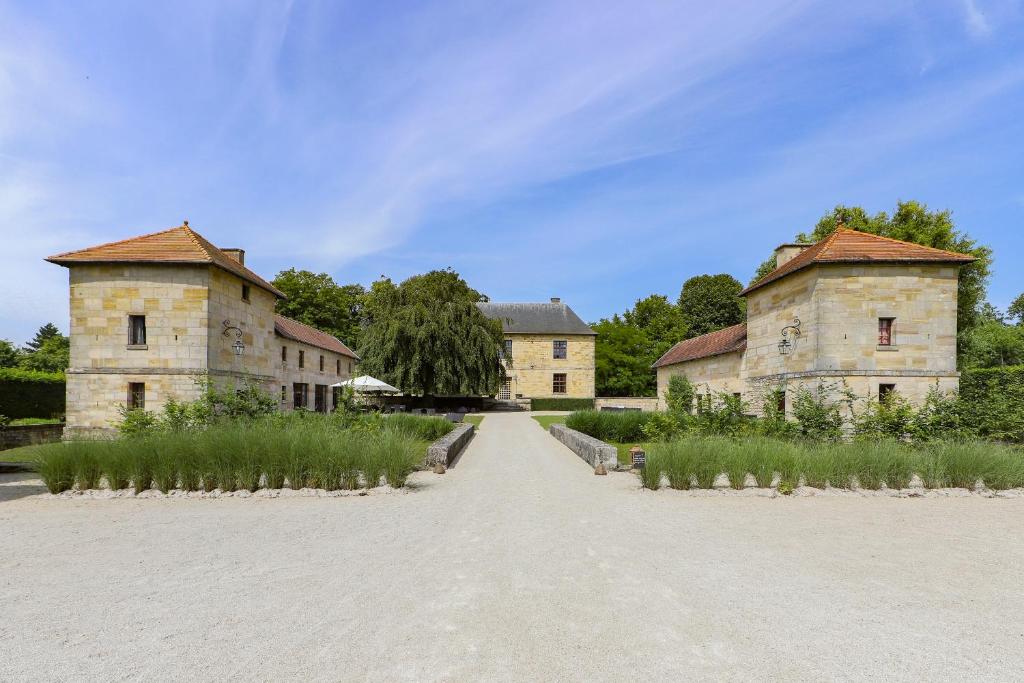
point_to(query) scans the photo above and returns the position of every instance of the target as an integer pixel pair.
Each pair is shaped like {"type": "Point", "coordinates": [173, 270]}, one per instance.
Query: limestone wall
{"type": "Point", "coordinates": [722, 373]}
{"type": "Point", "coordinates": [95, 396]}
{"type": "Point", "coordinates": [173, 299]}
{"type": "Point", "coordinates": [533, 365]}
{"type": "Point", "coordinates": [769, 310]}
{"type": "Point", "coordinates": [922, 299]}
{"type": "Point", "coordinates": [289, 372]}
{"type": "Point", "coordinates": [255, 317]}
{"type": "Point", "coordinates": [644, 403]}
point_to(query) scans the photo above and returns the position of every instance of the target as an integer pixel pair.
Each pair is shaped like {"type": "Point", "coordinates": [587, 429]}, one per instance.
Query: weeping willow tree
{"type": "Point", "coordinates": [427, 336]}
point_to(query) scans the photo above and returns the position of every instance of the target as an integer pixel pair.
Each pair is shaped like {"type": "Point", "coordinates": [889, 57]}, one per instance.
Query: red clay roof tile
{"type": "Point", "coordinates": [716, 343]}
{"type": "Point", "coordinates": [175, 245]}
{"type": "Point", "coordinates": [852, 246]}
{"type": "Point", "coordinates": [293, 329]}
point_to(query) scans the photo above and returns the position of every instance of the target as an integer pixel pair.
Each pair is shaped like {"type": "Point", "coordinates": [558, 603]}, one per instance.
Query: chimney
{"type": "Point", "coordinates": [236, 255]}
{"type": "Point", "coordinates": [555, 300]}
{"type": "Point", "coordinates": [784, 253]}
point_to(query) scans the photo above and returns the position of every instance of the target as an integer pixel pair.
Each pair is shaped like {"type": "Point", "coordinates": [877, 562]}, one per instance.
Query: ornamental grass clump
{"type": "Point", "coordinates": [427, 428]}
{"type": "Point", "coordinates": [87, 468]}
{"type": "Point", "coordinates": [56, 467]}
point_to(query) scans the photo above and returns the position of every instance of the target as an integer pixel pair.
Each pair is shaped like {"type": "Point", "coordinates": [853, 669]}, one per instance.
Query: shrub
{"type": "Point", "coordinates": [608, 426]}
{"type": "Point", "coordinates": [817, 417]}
{"type": "Point", "coordinates": [427, 428]}
{"type": "Point", "coordinates": [136, 422]}
{"type": "Point", "coordinates": [993, 401]}
{"type": "Point", "coordinates": [891, 418]}
{"type": "Point", "coordinates": [679, 395]}
{"type": "Point", "coordinates": [561, 404]}
{"type": "Point", "coordinates": [28, 393]}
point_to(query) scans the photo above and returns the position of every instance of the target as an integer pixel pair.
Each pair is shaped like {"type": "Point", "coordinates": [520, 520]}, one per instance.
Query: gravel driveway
{"type": "Point", "coordinates": [516, 564]}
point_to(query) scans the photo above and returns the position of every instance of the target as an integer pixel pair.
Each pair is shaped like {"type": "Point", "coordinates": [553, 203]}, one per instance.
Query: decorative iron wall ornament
{"type": "Point", "coordinates": [789, 332]}
{"type": "Point", "coordinates": [238, 346]}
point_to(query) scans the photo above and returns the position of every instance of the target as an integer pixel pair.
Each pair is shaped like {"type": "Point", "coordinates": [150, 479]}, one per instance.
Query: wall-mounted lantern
{"type": "Point", "coordinates": [238, 346]}
{"type": "Point", "coordinates": [789, 332]}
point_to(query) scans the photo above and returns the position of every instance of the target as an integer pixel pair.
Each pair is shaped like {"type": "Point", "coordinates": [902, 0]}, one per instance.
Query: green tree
{"type": "Point", "coordinates": [317, 300]}
{"type": "Point", "coordinates": [622, 360]}
{"type": "Point", "coordinates": [993, 343]}
{"type": "Point", "coordinates": [660, 320]}
{"type": "Point", "coordinates": [711, 302]}
{"type": "Point", "coordinates": [1016, 310]}
{"type": "Point", "coordinates": [10, 355]}
{"type": "Point", "coordinates": [46, 332]}
{"type": "Point", "coordinates": [52, 355]}
{"type": "Point", "coordinates": [914, 222]}
{"type": "Point", "coordinates": [427, 336]}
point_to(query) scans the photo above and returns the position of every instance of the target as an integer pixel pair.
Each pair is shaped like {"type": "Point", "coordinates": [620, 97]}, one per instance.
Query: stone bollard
{"type": "Point", "coordinates": [600, 469]}
{"type": "Point", "coordinates": [439, 468]}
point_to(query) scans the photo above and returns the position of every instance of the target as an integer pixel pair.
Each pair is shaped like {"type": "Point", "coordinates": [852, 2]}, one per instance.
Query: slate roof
{"type": "Point", "coordinates": [852, 246]}
{"type": "Point", "coordinates": [716, 343]}
{"type": "Point", "coordinates": [551, 318]}
{"type": "Point", "coordinates": [296, 331]}
{"type": "Point", "coordinates": [174, 245]}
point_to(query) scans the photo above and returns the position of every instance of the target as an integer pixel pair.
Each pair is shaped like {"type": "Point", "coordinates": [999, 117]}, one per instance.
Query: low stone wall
{"type": "Point", "coordinates": [648, 404]}
{"type": "Point", "coordinates": [587, 447]}
{"type": "Point", "coordinates": [26, 435]}
{"type": "Point", "coordinates": [448, 447]}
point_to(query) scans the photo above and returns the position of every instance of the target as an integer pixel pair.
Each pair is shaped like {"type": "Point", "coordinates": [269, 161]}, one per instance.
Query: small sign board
{"type": "Point", "coordinates": [639, 457]}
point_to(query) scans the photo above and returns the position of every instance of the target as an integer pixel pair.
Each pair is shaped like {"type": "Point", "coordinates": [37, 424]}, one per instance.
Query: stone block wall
{"type": "Point", "coordinates": [27, 435]}
{"type": "Point", "coordinates": [722, 373]}
{"type": "Point", "coordinates": [95, 397]}
{"type": "Point", "coordinates": [644, 403]}
{"type": "Point", "coordinates": [592, 450]}
{"type": "Point", "coordinates": [533, 365]}
{"type": "Point", "coordinates": [254, 317]}
{"type": "Point", "coordinates": [173, 299]}
{"type": "Point", "coordinates": [289, 372]}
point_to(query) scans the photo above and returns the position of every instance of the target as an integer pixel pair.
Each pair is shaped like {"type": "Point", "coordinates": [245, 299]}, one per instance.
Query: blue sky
{"type": "Point", "coordinates": [599, 152]}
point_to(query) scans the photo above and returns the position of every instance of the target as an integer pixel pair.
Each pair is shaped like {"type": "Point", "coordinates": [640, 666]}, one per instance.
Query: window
{"type": "Point", "coordinates": [320, 398]}
{"type": "Point", "coordinates": [885, 331]}
{"type": "Point", "coordinates": [300, 394]}
{"type": "Point", "coordinates": [559, 348]}
{"type": "Point", "coordinates": [508, 348]}
{"type": "Point", "coordinates": [245, 292]}
{"type": "Point", "coordinates": [284, 355]}
{"type": "Point", "coordinates": [337, 367]}
{"type": "Point", "coordinates": [284, 393]}
{"type": "Point", "coordinates": [780, 401]}
{"type": "Point", "coordinates": [137, 330]}
{"type": "Point", "coordinates": [558, 383]}
{"type": "Point", "coordinates": [884, 390]}
{"type": "Point", "coordinates": [136, 396]}
{"type": "Point", "coordinates": [321, 362]}
{"type": "Point", "coordinates": [302, 358]}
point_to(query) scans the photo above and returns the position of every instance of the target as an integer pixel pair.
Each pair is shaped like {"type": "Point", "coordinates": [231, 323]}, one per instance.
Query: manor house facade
{"type": "Point", "coordinates": [852, 312]}
{"type": "Point", "coordinates": [153, 314]}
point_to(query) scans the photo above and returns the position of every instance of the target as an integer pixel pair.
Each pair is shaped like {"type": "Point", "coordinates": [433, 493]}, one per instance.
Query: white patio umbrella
{"type": "Point", "coordinates": [368, 385]}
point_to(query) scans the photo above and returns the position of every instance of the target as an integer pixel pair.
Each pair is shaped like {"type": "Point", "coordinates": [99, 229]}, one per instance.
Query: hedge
{"type": "Point", "coordinates": [993, 401]}
{"type": "Point", "coordinates": [561, 404]}
{"type": "Point", "coordinates": [28, 393]}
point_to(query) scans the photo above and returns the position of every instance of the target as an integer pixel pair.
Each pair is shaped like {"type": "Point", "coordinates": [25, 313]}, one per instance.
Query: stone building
{"type": "Point", "coordinates": [853, 312]}
{"type": "Point", "coordinates": [153, 314]}
{"type": "Point", "coordinates": [551, 348]}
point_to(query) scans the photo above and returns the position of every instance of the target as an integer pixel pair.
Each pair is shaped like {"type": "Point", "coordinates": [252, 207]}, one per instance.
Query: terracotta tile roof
{"type": "Point", "coordinates": [852, 246]}
{"type": "Point", "coordinates": [716, 343]}
{"type": "Point", "coordinates": [175, 245]}
{"type": "Point", "coordinates": [293, 329]}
